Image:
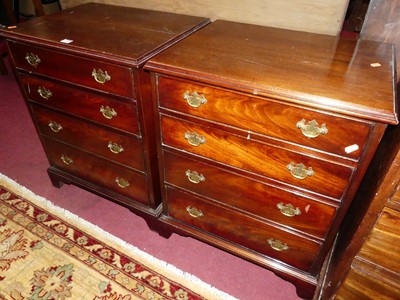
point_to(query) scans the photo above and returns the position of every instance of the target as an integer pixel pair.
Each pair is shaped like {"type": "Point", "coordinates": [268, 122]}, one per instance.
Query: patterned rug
{"type": "Point", "coordinates": [49, 253]}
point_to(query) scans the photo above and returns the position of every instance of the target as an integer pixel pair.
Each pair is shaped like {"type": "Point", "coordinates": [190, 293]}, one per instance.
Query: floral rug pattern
{"type": "Point", "coordinates": [44, 257]}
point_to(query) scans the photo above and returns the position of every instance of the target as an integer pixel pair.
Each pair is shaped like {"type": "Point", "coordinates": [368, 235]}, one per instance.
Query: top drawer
{"type": "Point", "coordinates": [342, 136]}
{"type": "Point", "coordinates": [86, 72]}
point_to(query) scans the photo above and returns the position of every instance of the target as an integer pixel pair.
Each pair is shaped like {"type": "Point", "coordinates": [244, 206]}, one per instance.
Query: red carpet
{"type": "Point", "coordinates": [23, 160]}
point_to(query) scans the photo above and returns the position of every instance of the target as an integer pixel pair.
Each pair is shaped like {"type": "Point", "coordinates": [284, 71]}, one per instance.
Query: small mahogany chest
{"type": "Point", "coordinates": [264, 136]}
{"type": "Point", "coordinates": [81, 72]}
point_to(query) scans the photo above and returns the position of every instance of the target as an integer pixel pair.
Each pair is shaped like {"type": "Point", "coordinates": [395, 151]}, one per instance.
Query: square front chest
{"type": "Point", "coordinates": [81, 73]}
{"type": "Point", "coordinates": [264, 137]}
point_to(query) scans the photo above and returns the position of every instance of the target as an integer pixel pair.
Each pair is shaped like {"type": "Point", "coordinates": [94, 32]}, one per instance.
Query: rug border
{"type": "Point", "coordinates": [168, 270]}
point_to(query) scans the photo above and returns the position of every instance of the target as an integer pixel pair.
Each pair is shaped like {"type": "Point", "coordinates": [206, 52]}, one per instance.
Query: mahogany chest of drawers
{"type": "Point", "coordinates": [81, 72]}
{"type": "Point", "coordinates": [264, 136]}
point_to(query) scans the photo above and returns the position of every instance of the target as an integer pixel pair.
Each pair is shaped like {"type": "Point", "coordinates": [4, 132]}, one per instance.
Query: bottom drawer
{"type": "Point", "coordinates": [98, 171]}
{"type": "Point", "coordinates": [241, 229]}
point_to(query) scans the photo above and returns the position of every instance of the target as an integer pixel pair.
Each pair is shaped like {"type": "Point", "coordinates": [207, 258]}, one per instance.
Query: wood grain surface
{"type": "Point", "coordinates": [309, 69]}
{"type": "Point", "coordinates": [242, 229]}
{"type": "Point", "coordinates": [79, 102]}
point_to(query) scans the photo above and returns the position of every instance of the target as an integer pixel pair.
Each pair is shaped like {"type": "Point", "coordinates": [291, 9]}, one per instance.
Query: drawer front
{"type": "Point", "coordinates": [266, 117]}
{"type": "Point", "coordinates": [73, 68]}
{"type": "Point", "coordinates": [258, 198]}
{"type": "Point", "coordinates": [104, 110]}
{"type": "Point", "coordinates": [99, 171]}
{"type": "Point", "coordinates": [241, 229]}
{"type": "Point", "coordinates": [120, 148]}
{"type": "Point", "coordinates": [327, 178]}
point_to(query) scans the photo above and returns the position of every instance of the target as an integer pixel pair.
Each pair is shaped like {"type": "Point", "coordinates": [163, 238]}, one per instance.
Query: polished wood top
{"type": "Point", "coordinates": [126, 34]}
{"type": "Point", "coordinates": [340, 75]}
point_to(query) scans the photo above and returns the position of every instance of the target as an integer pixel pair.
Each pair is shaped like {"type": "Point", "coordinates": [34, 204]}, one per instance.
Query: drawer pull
{"type": "Point", "coordinates": [100, 76]}
{"type": "Point", "coordinates": [194, 99]}
{"type": "Point", "coordinates": [311, 129]}
{"type": "Point", "coordinates": [194, 177]}
{"type": "Point", "coordinates": [194, 139]}
{"type": "Point", "coordinates": [32, 59]}
{"type": "Point", "coordinates": [288, 210]}
{"type": "Point", "coordinates": [66, 160]}
{"type": "Point", "coordinates": [115, 148]}
{"type": "Point", "coordinates": [122, 183]}
{"type": "Point", "coordinates": [194, 212]}
{"type": "Point", "coordinates": [44, 93]}
{"type": "Point", "coordinates": [300, 171]}
{"type": "Point", "coordinates": [107, 112]}
{"type": "Point", "coordinates": [55, 126]}
{"type": "Point", "coordinates": [277, 245]}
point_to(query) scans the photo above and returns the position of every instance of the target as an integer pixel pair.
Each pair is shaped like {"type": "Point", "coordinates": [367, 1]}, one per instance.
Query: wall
{"type": "Point", "coordinates": [320, 16]}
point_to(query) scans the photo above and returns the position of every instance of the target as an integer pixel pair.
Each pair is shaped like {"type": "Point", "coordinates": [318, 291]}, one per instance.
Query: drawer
{"type": "Point", "coordinates": [264, 116]}
{"type": "Point", "coordinates": [242, 229]}
{"type": "Point", "coordinates": [101, 109]}
{"type": "Point", "coordinates": [124, 149]}
{"type": "Point", "coordinates": [327, 178]}
{"type": "Point", "coordinates": [73, 68]}
{"type": "Point", "coordinates": [98, 171]}
{"type": "Point", "coordinates": [252, 196]}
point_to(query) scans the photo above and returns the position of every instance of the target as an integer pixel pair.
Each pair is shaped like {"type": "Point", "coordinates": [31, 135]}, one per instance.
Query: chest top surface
{"type": "Point", "coordinates": [127, 34]}
{"type": "Point", "coordinates": [352, 77]}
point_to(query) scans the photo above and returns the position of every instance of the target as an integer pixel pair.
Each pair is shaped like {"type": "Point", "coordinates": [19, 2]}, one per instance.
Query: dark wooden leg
{"type": "Point", "coordinates": [10, 12]}
{"type": "Point", "coordinates": [3, 67]}
{"type": "Point", "coordinates": [159, 227]}
{"type": "Point", "coordinates": [39, 10]}
{"type": "Point", "coordinates": [55, 179]}
{"type": "Point", "coordinates": [3, 55]}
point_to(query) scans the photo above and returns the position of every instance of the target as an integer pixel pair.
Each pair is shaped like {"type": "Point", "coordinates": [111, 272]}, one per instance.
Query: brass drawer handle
{"type": "Point", "coordinates": [194, 99]}
{"type": "Point", "coordinates": [122, 183]}
{"type": "Point", "coordinates": [55, 126]}
{"type": "Point", "coordinates": [107, 112]}
{"type": "Point", "coordinates": [311, 129]}
{"type": "Point", "coordinates": [194, 177]}
{"type": "Point", "coordinates": [32, 59]}
{"type": "Point", "coordinates": [100, 76]}
{"type": "Point", "coordinates": [44, 93]}
{"type": "Point", "coordinates": [194, 212]}
{"type": "Point", "coordinates": [288, 210]}
{"type": "Point", "coordinates": [300, 171]}
{"type": "Point", "coordinates": [194, 139]}
{"type": "Point", "coordinates": [277, 245]}
{"type": "Point", "coordinates": [66, 159]}
{"type": "Point", "coordinates": [115, 148]}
